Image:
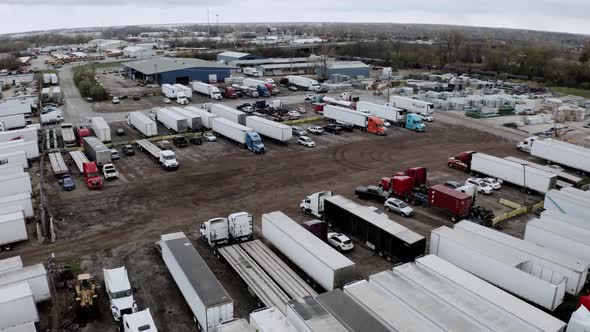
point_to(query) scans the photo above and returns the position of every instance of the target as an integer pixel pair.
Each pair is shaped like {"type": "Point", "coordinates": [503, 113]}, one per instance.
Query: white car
{"type": "Point", "coordinates": [340, 241]}
{"type": "Point", "coordinates": [209, 137]}
{"type": "Point", "coordinates": [306, 141]}
{"type": "Point", "coordinates": [115, 100]}
{"type": "Point", "coordinates": [398, 206]}
{"type": "Point", "coordinates": [482, 187]}
{"type": "Point", "coordinates": [109, 171]}
{"type": "Point", "coordinates": [492, 182]}
{"type": "Point", "coordinates": [309, 96]}
{"type": "Point", "coordinates": [386, 123]}
{"type": "Point", "coordinates": [115, 154]}
{"type": "Point", "coordinates": [166, 101]}
{"type": "Point", "coordinates": [427, 118]}
{"type": "Point", "coordinates": [294, 115]}
{"type": "Point", "coordinates": [316, 130]}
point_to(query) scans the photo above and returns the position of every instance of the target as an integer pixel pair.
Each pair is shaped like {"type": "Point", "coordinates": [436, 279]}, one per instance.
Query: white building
{"type": "Point", "coordinates": [138, 52]}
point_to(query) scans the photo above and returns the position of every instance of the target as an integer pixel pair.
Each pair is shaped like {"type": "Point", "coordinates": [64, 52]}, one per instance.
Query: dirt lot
{"type": "Point", "coordinates": [118, 225]}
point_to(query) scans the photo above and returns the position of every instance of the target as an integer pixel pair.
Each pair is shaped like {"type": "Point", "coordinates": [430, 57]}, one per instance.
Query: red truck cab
{"type": "Point", "coordinates": [229, 92]}
{"type": "Point", "coordinates": [83, 132]}
{"type": "Point", "coordinates": [418, 174]}
{"type": "Point", "coordinates": [462, 161]}
{"type": "Point", "coordinates": [91, 176]}
{"type": "Point", "coordinates": [318, 228]}
{"type": "Point", "coordinates": [318, 108]}
{"type": "Point", "coordinates": [375, 125]}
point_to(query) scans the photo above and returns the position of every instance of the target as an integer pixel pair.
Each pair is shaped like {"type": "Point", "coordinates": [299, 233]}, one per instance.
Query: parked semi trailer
{"type": "Point", "coordinates": [97, 151]}
{"type": "Point", "coordinates": [235, 325]}
{"type": "Point", "coordinates": [17, 306]}
{"type": "Point", "coordinates": [209, 302]}
{"type": "Point", "coordinates": [389, 113]}
{"type": "Point", "coordinates": [567, 238]}
{"type": "Point", "coordinates": [6, 170]}
{"type": "Point", "coordinates": [193, 120]}
{"type": "Point", "coordinates": [166, 158]}
{"type": "Point", "coordinates": [171, 120]}
{"type": "Point", "coordinates": [13, 122]}
{"type": "Point", "coordinates": [14, 158]}
{"type": "Point", "coordinates": [317, 259]}
{"type": "Point", "coordinates": [89, 170]}
{"type": "Point", "coordinates": [18, 202]}
{"type": "Point", "coordinates": [101, 129]}
{"type": "Point", "coordinates": [143, 123]}
{"type": "Point", "coordinates": [30, 148]}
{"type": "Point", "coordinates": [563, 153]}
{"type": "Point", "coordinates": [365, 122]}
{"type": "Point", "coordinates": [15, 184]}
{"type": "Point", "coordinates": [229, 113]}
{"type": "Point", "coordinates": [13, 229]}
{"type": "Point", "coordinates": [564, 179]}
{"type": "Point", "coordinates": [375, 230]}
{"type": "Point", "coordinates": [268, 128]}
{"type": "Point", "coordinates": [351, 314]}
{"type": "Point", "coordinates": [34, 275]}
{"type": "Point", "coordinates": [58, 165]}
{"type": "Point", "coordinates": [308, 315]}
{"type": "Point", "coordinates": [26, 134]}
{"type": "Point", "coordinates": [270, 320]}
{"type": "Point", "coordinates": [412, 105]}
{"type": "Point", "coordinates": [244, 136]}
{"type": "Point", "coordinates": [528, 178]}
{"type": "Point", "coordinates": [206, 117]}
{"type": "Point", "coordinates": [206, 89]}
{"type": "Point", "coordinates": [303, 82]}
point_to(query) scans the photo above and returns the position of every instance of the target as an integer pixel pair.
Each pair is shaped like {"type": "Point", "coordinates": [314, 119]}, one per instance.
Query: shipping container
{"type": "Point", "coordinates": [170, 119]}
{"type": "Point", "coordinates": [14, 158]}
{"type": "Point", "coordinates": [566, 238]}
{"type": "Point", "coordinates": [562, 153]}
{"type": "Point", "coordinates": [306, 314]}
{"type": "Point", "coordinates": [101, 129]}
{"type": "Point", "coordinates": [34, 275]}
{"type": "Point", "coordinates": [453, 201]}
{"type": "Point", "coordinates": [270, 320]}
{"type": "Point", "coordinates": [350, 313]}
{"type": "Point", "coordinates": [13, 228]}
{"type": "Point", "coordinates": [374, 230]}
{"type": "Point", "coordinates": [143, 123]}
{"type": "Point", "coordinates": [17, 306]}
{"type": "Point", "coordinates": [500, 266]}
{"type": "Point", "coordinates": [268, 128]}
{"type": "Point", "coordinates": [193, 120]}
{"type": "Point", "coordinates": [208, 300]}
{"type": "Point", "coordinates": [329, 268]}
{"type": "Point", "coordinates": [97, 151]}
{"type": "Point", "coordinates": [206, 117]}
{"type": "Point", "coordinates": [229, 113]}
{"type": "Point", "coordinates": [30, 148]}
{"type": "Point", "coordinates": [13, 121]}
{"type": "Point", "coordinates": [26, 134]}
{"type": "Point", "coordinates": [21, 201]}
{"type": "Point", "coordinates": [15, 184]}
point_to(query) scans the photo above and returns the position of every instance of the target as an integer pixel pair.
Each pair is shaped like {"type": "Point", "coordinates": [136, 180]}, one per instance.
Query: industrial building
{"type": "Point", "coordinates": [138, 52]}
{"type": "Point", "coordinates": [177, 70]}
{"type": "Point", "coordinates": [229, 56]}
{"type": "Point", "coordinates": [349, 68]}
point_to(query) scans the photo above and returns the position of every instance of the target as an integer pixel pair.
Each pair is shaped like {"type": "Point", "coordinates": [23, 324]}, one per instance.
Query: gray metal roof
{"type": "Point", "coordinates": [233, 54]}
{"type": "Point", "coordinates": [210, 290]}
{"type": "Point", "coordinates": [160, 65]}
{"type": "Point", "coordinates": [350, 313]}
{"type": "Point", "coordinates": [289, 65]}
{"type": "Point", "coordinates": [348, 64]}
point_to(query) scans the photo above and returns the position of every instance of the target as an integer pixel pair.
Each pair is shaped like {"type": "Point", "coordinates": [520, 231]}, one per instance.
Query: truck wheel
{"type": "Point", "coordinates": [449, 165]}
{"type": "Point", "coordinates": [454, 219]}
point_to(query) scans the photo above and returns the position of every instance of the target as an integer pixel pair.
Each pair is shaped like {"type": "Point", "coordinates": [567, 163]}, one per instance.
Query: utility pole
{"type": "Point", "coordinates": [388, 84]}
{"type": "Point", "coordinates": [156, 73]}
{"type": "Point", "coordinates": [217, 21]}
{"type": "Point", "coordinates": [208, 33]}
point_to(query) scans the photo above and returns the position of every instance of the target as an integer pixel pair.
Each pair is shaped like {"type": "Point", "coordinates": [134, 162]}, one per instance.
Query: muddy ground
{"type": "Point", "coordinates": [119, 224]}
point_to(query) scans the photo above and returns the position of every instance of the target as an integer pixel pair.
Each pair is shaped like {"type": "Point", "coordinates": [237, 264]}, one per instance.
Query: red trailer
{"type": "Point", "coordinates": [318, 228]}
{"type": "Point", "coordinates": [418, 174]}
{"type": "Point", "coordinates": [451, 200]}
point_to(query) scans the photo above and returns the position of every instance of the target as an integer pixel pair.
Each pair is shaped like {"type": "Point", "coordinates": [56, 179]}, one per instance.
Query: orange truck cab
{"type": "Point", "coordinates": [375, 125]}
{"type": "Point", "coordinates": [91, 176]}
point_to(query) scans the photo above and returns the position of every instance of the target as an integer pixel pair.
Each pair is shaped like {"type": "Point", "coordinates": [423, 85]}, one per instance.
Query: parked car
{"type": "Point", "coordinates": [293, 88]}
{"type": "Point", "coordinates": [109, 171]}
{"type": "Point", "coordinates": [136, 97]}
{"type": "Point", "coordinates": [316, 130]}
{"type": "Point", "coordinates": [386, 123]}
{"type": "Point", "coordinates": [196, 140]}
{"type": "Point", "coordinates": [180, 141]}
{"type": "Point", "coordinates": [120, 132]}
{"type": "Point", "coordinates": [166, 101]}
{"type": "Point", "coordinates": [67, 183]}
{"type": "Point", "coordinates": [345, 126]}
{"type": "Point", "coordinates": [372, 192]}
{"type": "Point", "coordinates": [128, 150]}
{"type": "Point", "coordinates": [298, 131]}
{"type": "Point", "coordinates": [426, 117]}
{"type": "Point", "coordinates": [340, 241]}
{"type": "Point", "coordinates": [293, 115]}
{"type": "Point", "coordinates": [482, 187]}
{"type": "Point", "coordinates": [454, 184]}
{"type": "Point", "coordinates": [398, 206]}
{"type": "Point", "coordinates": [164, 145]}
{"type": "Point", "coordinates": [115, 154]}
{"type": "Point", "coordinates": [209, 137]}
{"type": "Point", "coordinates": [115, 100]}
{"type": "Point", "coordinates": [332, 128]}
{"type": "Point", "coordinates": [246, 108]}
{"type": "Point", "coordinates": [301, 110]}
{"type": "Point", "coordinates": [494, 183]}
{"type": "Point", "coordinates": [306, 141]}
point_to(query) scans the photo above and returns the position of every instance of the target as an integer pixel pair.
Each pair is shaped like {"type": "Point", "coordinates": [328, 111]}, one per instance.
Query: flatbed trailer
{"type": "Point", "coordinates": [58, 165]}
{"type": "Point", "coordinates": [79, 159]}
{"type": "Point", "coordinates": [150, 147]}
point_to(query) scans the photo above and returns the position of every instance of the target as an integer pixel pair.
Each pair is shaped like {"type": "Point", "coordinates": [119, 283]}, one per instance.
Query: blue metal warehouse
{"type": "Point", "coordinates": [177, 70]}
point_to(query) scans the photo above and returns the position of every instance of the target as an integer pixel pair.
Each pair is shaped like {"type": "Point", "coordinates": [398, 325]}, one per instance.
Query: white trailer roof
{"type": "Point", "coordinates": [565, 218]}
{"type": "Point", "coordinates": [526, 247]}
{"type": "Point", "coordinates": [26, 327]}
{"type": "Point", "coordinates": [16, 291]}
{"type": "Point", "coordinates": [330, 257]}
{"type": "Point", "coordinates": [25, 273]}
{"type": "Point", "coordinates": [568, 231]}
{"type": "Point", "coordinates": [515, 165]}
{"type": "Point", "coordinates": [315, 316]}
{"type": "Point", "coordinates": [12, 216]}
{"type": "Point", "coordinates": [564, 175]}
{"type": "Point", "coordinates": [9, 264]}
{"type": "Point", "coordinates": [271, 319]}
{"type": "Point", "coordinates": [140, 319]}
{"type": "Point", "coordinates": [117, 279]}
{"type": "Point", "coordinates": [488, 292]}
{"type": "Point", "coordinates": [15, 197]}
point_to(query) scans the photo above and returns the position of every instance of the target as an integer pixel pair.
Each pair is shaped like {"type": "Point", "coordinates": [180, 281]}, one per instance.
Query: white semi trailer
{"type": "Point", "coordinates": [100, 128]}
{"type": "Point", "coordinates": [411, 105]}
{"type": "Point", "coordinates": [143, 123]}
{"type": "Point", "coordinates": [268, 128]}
{"type": "Point", "coordinates": [206, 89]}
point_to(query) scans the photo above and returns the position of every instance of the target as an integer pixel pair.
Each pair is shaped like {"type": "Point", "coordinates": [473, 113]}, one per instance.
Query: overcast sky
{"type": "Point", "coordinates": [551, 15]}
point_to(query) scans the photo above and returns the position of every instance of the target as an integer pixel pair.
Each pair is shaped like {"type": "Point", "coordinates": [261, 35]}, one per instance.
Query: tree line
{"type": "Point", "coordinates": [87, 85]}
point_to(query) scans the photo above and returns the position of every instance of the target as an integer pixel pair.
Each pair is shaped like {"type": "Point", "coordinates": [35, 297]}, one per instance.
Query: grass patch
{"type": "Point", "coordinates": [75, 266]}
{"type": "Point", "coordinates": [571, 91]}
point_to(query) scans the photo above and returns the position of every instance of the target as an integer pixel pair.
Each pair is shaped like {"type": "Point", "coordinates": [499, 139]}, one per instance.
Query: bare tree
{"type": "Point", "coordinates": [324, 61]}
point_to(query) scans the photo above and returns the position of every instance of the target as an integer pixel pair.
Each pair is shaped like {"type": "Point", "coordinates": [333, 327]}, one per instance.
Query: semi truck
{"type": "Point", "coordinates": [303, 82]}
{"type": "Point", "coordinates": [229, 92]}
{"type": "Point", "coordinates": [244, 136]}
{"type": "Point", "coordinates": [314, 203]}
{"type": "Point", "coordinates": [119, 292]}
{"type": "Point", "coordinates": [206, 117]}
{"type": "Point", "coordinates": [13, 229]}
{"type": "Point", "coordinates": [381, 234]}
{"type": "Point", "coordinates": [326, 266]}
{"type": "Point", "coordinates": [206, 89]}
{"type": "Point", "coordinates": [264, 89]}
{"type": "Point", "coordinates": [14, 158]}
{"type": "Point", "coordinates": [171, 91]}
{"type": "Point", "coordinates": [193, 120]}
{"type": "Point", "coordinates": [170, 119]}
{"type": "Point", "coordinates": [236, 227]}
{"type": "Point", "coordinates": [100, 128]}
{"type": "Point", "coordinates": [559, 152]}
{"type": "Point", "coordinates": [166, 158]}
{"type": "Point", "coordinates": [527, 178]}
{"type": "Point", "coordinates": [67, 135]}
{"type": "Point", "coordinates": [141, 122]}
{"type": "Point", "coordinates": [459, 205]}
{"type": "Point", "coordinates": [13, 122]}
{"type": "Point", "coordinates": [229, 113]}
{"type": "Point", "coordinates": [411, 105]}
{"type": "Point", "coordinates": [268, 128]}
{"type": "Point", "coordinates": [97, 151]}
{"type": "Point", "coordinates": [365, 122]}
{"type": "Point", "coordinates": [30, 148]}
{"type": "Point", "coordinates": [89, 170]}
{"type": "Point", "coordinates": [209, 302]}
{"type": "Point", "coordinates": [183, 91]}
{"type": "Point", "coordinates": [140, 321]}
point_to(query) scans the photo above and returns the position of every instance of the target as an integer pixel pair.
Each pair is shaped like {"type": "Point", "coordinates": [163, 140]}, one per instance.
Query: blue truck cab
{"type": "Point", "coordinates": [254, 142]}
{"type": "Point", "coordinates": [263, 91]}
{"type": "Point", "coordinates": [414, 122]}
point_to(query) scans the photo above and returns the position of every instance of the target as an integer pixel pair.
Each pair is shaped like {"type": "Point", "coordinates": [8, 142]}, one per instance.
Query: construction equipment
{"type": "Point", "coordinates": [86, 297]}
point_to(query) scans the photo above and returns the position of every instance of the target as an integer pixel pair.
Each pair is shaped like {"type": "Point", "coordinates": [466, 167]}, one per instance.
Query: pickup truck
{"type": "Point", "coordinates": [109, 171]}
{"type": "Point", "coordinates": [372, 192]}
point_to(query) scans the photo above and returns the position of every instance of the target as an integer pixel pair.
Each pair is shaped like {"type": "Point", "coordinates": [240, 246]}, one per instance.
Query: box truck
{"type": "Point", "coordinates": [244, 136]}
{"type": "Point", "coordinates": [14, 158]}
{"type": "Point", "coordinates": [314, 203]}
{"type": "Point", "coordinates": [303, 82]}
{"type": "Point", "coordinates": [326, 266]}
{"type": "Point", "coordinates": [206, 117]}
{"type": "Point", "coordinates": [13, 228]}
{"type": "Point", "coordinates": [206, 89]}
{"type": "Point", "coordinates": [268, 128]}
{"type": "Point", "coordinates": [34, 275]}
{"type": "Point", "coordinates": [13, 121]}
{"type": "Point", "coordinates": [362, 121]}
{"type": "Point", "coordinates": [18, 202]}
{"type": "Point", "coordinates": [101, 129]}
{"type": "Point", "coordinates": [97, 151]}
{"type": "Point", "coordinates": [229, 113]}
{"type": "Point", "coordinates": [30, 148]}
{"type": "Point", "coordinates": [170, 119]}
{"type": "Point", "coordinates": [17, 306]}
{"type": "Point", "coordinates": [141, 122]}
{"type": "Point", "coordinates": [411, 105]}
{"type": "Point", "coordinates": [193, 120]}
{"type": "Point", "coordinates": [15, 184]}
{"type": "Point", "coordinates": [209, 302]}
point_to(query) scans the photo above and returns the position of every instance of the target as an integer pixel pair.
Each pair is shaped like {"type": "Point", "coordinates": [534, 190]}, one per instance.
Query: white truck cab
{"type": "Point", "coordinates": [241, 226]}
{"type": "Point", "coordinates": [526, 145]}
{"type": "Point", "coordinates": [140, 321]}
{"type": "Point", "coordinates": [215, 231]}
{"type": "Point", "coordinates": [182, 100]}
{"type": "Point", "coordinates": [119, 292]}
{"type": "Point", "coordinates": [168, 159]}
{"type": "Point", "coordinates": [314, 203]}
{"type": "Point", "coordinates": [236, 227]}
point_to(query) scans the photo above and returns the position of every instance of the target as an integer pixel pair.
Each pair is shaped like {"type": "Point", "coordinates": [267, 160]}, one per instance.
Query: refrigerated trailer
{"type": "Point", "coordinates": [374, 230]}
{"type": "Point", "coordinates": [500, 266]}
{"type": "Point", "coordinates": [96, 150]}
{"type": "Point", "coordinates": [13, 121]}
{"type": "Point", "coordinates": [18, 202]}
{"type": "Point", "coordinates": [101, 129]}
{"type": "Point", "coordinates": [229, 113]}
{"type": "Point", "coordinates": [34, 275]}
{"type": "Point", "coordinates": [15, 184]}
{"type": "Point", "coordinates": [30, 148]}
{"type": "Point", "coordinates": [206, 117]}
{"type": "Point", "coordinates": [13, 228]}
{"type": "Point", "coordinates": [209, 302]}
{"type": "Point", "coordinates": [562, 153]}
{"type": "Point", "coordinates": [143, 123]}
{"type": "Point", "coordinates": [268, 128]}
{"type": "Point", "coordinates": [14, 158]}
{"type": "Point", "coordinates": [329, 268]}
{"type": "Point", "coordinates": [193, 120]}
{"type": "Point", "coordinates": [170, 119]}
